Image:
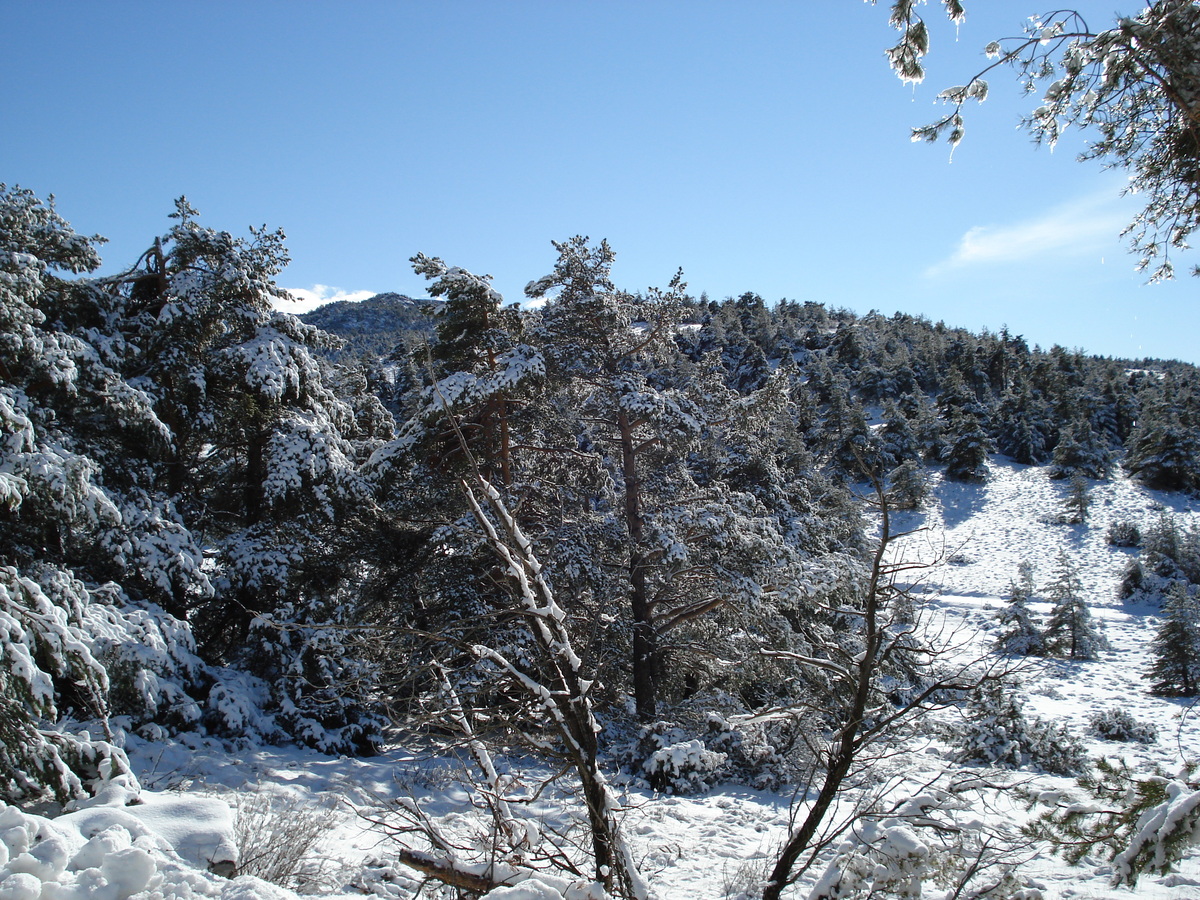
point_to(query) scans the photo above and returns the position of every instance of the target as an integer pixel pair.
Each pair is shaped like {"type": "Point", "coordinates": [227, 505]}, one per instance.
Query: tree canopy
{"type": "Point", "coordinates": [1133, 86]}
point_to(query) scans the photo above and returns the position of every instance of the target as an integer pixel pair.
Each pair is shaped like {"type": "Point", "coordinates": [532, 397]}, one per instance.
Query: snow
{"type": "Point", "coordinates": [170, 839]}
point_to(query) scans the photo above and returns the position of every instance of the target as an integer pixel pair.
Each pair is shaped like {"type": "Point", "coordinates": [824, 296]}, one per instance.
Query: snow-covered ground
{"type": "Point", "coordinates": [163, 842]}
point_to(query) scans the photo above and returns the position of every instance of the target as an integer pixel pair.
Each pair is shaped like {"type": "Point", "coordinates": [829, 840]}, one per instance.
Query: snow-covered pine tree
{"type": "Point", "coordinates": [1081, 452]}
{"type": "Point", "coordinates": [857, 449]}
{"type": "Point", "coordinates": [1019, 633]}
{"type": "Point", "coordinates": [1070, 632]}
{"type": "Point", "coordinates": [1077, 501]}
{"type": "Point", "coordinates": [1132, 85]}
{"type": "Point", "coordinates": [676, 535]}
{"type": "Point", "coordinates": [899, 440]}
{"type": "Point", "coordinates": [1163, 451]}
{"type": "Point", "coordinates": [1145, 823]}
{"type": "Point", "coordinates": [64, 409]}
{"type": "Point", "coordinates": [479, 367]}
{"type": "Point", "coordinates": [967, 440]}
{"type": "Point", "coordinates": [1024, 426]}
{"type": "Point", "coordinates": [1169, 553]}
{"type": "Point", "coordinates": [263, 460]}
{"type": "Point", "coordinates": [908, 485]}
{"type": "Point", "coordinates": [1176, 646]}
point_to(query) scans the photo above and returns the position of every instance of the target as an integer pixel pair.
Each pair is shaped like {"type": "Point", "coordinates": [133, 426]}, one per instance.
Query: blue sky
{"type": "Point", "coordinates": [761, 146]}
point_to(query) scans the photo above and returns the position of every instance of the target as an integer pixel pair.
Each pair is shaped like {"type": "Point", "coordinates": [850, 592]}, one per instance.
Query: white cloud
{"type": "Point", "coordinates": [307, 299]}
{"type": "Point", "coordinates": [1090, 224]}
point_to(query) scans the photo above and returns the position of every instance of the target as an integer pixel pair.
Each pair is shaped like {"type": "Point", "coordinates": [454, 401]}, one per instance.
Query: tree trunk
{"type": "Point", "coordinates": [256, 475]}
{"type": "Point", "coordinates": [645, 637]}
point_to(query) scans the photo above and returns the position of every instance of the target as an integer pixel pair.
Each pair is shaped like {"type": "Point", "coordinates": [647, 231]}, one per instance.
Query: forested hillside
{"type": "Point", "coordinates": [610, 531]}
{"type": "Point", "coordinates": [374, 327]}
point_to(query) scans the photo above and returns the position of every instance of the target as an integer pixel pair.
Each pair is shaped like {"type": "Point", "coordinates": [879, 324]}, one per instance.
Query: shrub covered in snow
{"type": "Point", "coordinates": [1118, 725]}
{"type": "Point", "coordinates": [690, 757]}
{"type": "Point", "coordinates": [758, 754]}
{"type": "Point", "coordinates": [673, 763]}
{"type": "Point", "coordinates": [997, 732]}
{"type": "Point", "coordinates": [929, 842]}
{"type": "Point", "coordinates": [1124, 533]}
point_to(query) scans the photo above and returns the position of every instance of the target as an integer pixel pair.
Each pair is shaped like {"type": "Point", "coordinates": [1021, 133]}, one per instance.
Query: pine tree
{"type": "Point", "coordinates": [68, 526]}
{"type": "Point", "coordinates": [262, 457]}
{"type": "Point", "coordinates": [1070, 631]}
{"type": "Point", "coordinates": [603, 362]}
{"type": "Point", "coordinates": [967, 440]}
{"type": "Point", "coordinates": [1023, 426]}
{"type": "Point", "coordinates": [1163, 451]}
{"type": "Point", "coordinates": [899, 440]}
{"type": "Point", "coordinates": [1077, 501]}
{"type": "Point", "coordinates": [966, 455]}
{"type": "Point", "coordinates": [1132, 85]}
{"type": "Point", "coordinates": [908, 485]}
{"type": "Point", "coordinates": [1081, 452]}
{"type": "Point", "coordinates": [1176, 646]}
{"type": "Point", "coordinates": [480, 368]}
{"type": "Point", "coordinates": [1020, 635]}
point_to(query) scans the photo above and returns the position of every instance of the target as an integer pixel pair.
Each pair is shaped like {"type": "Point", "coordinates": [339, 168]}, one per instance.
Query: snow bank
{"type": "Point", "coordinates": [165, 845]}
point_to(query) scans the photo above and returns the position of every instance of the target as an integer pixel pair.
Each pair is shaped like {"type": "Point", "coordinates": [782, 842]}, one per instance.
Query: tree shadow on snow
{"type": "Point", "coordinates": [960, 500]}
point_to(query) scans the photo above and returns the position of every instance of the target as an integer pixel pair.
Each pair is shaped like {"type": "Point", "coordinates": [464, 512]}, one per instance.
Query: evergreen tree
{"type": "Point", "coordinates": [77, 516]}
{"type": "Point", "coordinates": [899, 442]}
{"type": "Point", "coordinates": [1081, 452]}
{"type": "Point", "coordinates": [1176, 646]}
{"type": "Point", "coordinates": [1070, 631]}
{"type": "Point", "coordinates": [692, 497]}
{"type": "Point", "coordinates": [1133, 85]}
{"type": "Point", "coordinates": [1077, 501]}
{"type": "Point", "coordinates": [480, 366]}
{"type": "Point", "coordinates": [858, 450]}
{"type": "Point", "coordinates": [908, 485]}
{"type": "Point", "coordinates": [750, 370]}
{"type": "Point", "coordinates": [967, 440]}
{"type": "Point", "coordinates": [1163, 451]}
{"type": "Point", "coordinates": [1023, 426]}
{"type": "Point", "coordinates": [267, 456]}
{"type": "Point", "coordinates": [1019, 634]}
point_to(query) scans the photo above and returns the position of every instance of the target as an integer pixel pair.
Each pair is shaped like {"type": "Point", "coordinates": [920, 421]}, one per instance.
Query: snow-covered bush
{"type": "Point", "coordinates": [758, 754]}
{"type": "Point", "coordinates": [675, 764]}
{"type": "Point", "coordinates": [926, 843]}
{"type": "Point", "coordinates": [888, 860]}
{"type": "Point", "coordinates": [1118, 725]}
{"type": "Point", "coordinates": [996, 732]}
{"type": "Point", "coordinates": [1124, 533]}
{"type": "Point", "coordinates": [707, 747]}
{"type": "Point", "coordinates": [155, 676]}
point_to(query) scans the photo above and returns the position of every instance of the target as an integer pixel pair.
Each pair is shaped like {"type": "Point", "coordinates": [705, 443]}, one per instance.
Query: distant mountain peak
{"type": "Point", "coordinates": [376, 324]}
